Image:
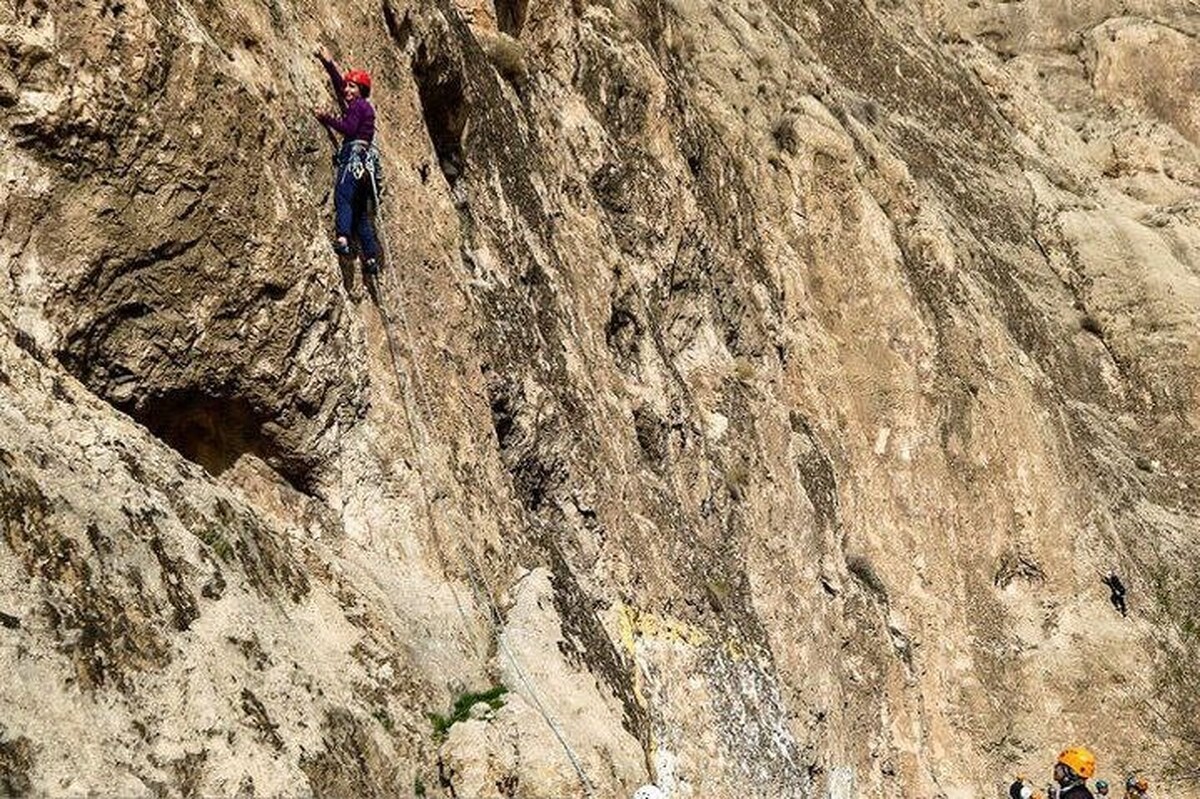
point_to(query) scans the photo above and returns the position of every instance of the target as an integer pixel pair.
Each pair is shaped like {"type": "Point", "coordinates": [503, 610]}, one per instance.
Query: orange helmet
{"type": "Point", "coordinates": [359, 78]}
{"type": "Point", "coordinates": [1080, 760]}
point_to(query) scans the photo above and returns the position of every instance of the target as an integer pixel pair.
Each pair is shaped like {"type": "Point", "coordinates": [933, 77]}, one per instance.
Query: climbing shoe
{"type": "Point", "coordinates": [371, 267]}
{"type": "Point", "coordinates": [342, 247]}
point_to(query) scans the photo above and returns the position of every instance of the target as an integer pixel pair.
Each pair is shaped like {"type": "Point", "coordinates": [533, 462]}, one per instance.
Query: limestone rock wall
{"type": "Point", "coordinates": [755, 390]}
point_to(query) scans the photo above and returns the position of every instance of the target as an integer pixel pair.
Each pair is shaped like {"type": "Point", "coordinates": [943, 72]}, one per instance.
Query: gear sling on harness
{"type": "Point", "coordinates": [360, 159]}
{"type": "Point", "coordinates": [358, 183]}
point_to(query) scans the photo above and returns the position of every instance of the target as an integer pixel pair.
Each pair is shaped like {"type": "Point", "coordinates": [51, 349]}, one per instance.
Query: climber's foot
{"type": "Point", "coordinates": [341, 246]}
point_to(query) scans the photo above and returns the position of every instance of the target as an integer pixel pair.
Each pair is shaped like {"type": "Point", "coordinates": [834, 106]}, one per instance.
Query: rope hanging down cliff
{"type": "Point", "coordinates": [420, 444]}
{"type": "Point", "coordinates": [353, 206]}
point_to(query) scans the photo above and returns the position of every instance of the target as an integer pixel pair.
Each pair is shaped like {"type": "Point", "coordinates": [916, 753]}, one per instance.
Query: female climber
{"type": "Point", "coordinates": [357, 173]}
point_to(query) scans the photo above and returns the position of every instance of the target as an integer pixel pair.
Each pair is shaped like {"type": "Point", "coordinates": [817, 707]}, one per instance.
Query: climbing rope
{"type": "Point", "coordinates": [481, 595]}
{"type": "Point", "coordinates": [420, 444]}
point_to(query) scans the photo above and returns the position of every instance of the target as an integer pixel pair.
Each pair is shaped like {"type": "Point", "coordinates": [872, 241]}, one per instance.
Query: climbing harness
{"type": "Point", "coordinates": [361, 158]}
{"type": "Point", "coordinates": [420, 445]}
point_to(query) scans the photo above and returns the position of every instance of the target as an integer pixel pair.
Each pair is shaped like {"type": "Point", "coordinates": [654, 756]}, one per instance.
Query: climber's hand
{"type": "Point", "coordinates": [322, 53]}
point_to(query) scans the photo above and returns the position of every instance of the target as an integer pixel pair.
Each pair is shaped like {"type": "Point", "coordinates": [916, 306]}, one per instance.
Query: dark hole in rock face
{"type": "Point", "coordinates": [502, 420]}
{"type": "Point", "coordinates": [510, 16]}
{"type": "Point", "coordinates": [443, 106]}
{"type": "Point", "coordinates": [211, 431]}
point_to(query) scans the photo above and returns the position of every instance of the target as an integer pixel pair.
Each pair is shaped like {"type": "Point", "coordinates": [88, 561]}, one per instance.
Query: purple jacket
{"type": "Point", "coordinates": [358, 119]}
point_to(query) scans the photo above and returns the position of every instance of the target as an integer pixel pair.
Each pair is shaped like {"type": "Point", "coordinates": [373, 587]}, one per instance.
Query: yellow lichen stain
{"type": "Point", "coordinates": [633, 624]}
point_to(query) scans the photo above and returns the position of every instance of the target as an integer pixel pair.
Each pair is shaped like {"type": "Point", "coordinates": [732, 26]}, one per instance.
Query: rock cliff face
{"type": "Point", "coordinates": [753, 397]}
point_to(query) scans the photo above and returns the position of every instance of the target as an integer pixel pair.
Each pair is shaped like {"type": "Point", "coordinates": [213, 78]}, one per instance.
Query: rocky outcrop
{"type": "Point", "coordinates": [753, 396]}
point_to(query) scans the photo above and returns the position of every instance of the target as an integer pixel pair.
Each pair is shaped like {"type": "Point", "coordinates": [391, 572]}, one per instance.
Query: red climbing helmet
{"type": "Point", "coordinates": [359, 78]}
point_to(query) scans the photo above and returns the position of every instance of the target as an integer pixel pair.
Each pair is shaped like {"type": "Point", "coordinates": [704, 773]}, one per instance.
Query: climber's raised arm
{"type": "Point", "coordinates": [334, 70]}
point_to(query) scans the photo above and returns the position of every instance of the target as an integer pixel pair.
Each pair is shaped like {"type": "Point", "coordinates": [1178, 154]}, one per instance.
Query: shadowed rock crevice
{"type": "Point", "coordinates": [443, 107]}
{"type": "Point", "coordinates": [817, 476]}
{"type": "Point", "coordinates": [510, 15]}
{"type": "Point", "coordinates": [400, 29]}
{"type": "Point", "coordinates": [623, 334]}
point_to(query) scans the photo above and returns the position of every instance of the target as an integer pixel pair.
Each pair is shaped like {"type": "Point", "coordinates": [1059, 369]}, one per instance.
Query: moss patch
{"type": "Point", "coordinates": [461, 711]}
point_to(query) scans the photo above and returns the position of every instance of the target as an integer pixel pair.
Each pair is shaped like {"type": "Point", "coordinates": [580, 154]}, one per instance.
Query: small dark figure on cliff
{"type": "Point", "coordinates": [356, 176]}
{"type": "Point", "coordinates": [1117, 597]}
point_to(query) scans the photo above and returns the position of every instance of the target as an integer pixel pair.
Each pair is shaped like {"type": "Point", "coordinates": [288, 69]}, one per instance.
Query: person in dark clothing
{"type": "Point", "coordinates": [1074, 768]}
{"type": "Point", "coordinates": [356, 175]}
{"type": "Point", "coordinates": [1117, 597]}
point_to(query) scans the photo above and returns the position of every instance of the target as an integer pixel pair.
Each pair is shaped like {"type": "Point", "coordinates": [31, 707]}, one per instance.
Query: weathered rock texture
{"type": "Point", "coordinates": [756, 389]}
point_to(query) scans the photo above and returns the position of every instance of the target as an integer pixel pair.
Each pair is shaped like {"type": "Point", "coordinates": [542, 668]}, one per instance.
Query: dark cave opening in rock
{"type": "Point", "coordinates": [510, 16]}
{"type": "Point", "coordinates": [211, 431]}
{"type": "Point", "coordinates": [443, 106]}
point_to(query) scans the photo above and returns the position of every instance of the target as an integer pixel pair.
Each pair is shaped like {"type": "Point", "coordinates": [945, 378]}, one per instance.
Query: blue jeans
{"type": "Point", "coordinates": [352, 205]}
